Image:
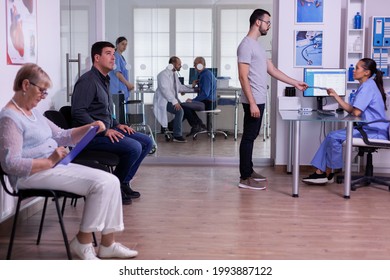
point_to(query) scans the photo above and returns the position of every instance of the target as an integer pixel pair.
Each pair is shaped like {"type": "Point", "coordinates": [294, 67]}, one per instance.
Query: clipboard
{"type": "Point", "coordinates": [88, 136]}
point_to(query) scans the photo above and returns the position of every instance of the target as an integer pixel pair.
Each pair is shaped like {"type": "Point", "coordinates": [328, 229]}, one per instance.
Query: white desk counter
{"type": "Point", "coordinates": [297, 117]}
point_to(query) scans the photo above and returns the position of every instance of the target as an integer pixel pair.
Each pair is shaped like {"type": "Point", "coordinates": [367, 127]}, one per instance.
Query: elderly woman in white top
{"type": "Point", "coordinates": [31, 145]}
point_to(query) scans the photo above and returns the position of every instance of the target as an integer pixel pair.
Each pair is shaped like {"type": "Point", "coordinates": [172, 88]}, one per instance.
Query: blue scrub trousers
{"type": "Point", "coordinates": [330, 152]}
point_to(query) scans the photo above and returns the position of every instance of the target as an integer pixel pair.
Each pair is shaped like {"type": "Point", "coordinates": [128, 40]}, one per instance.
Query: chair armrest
{"type": "Point", "coordinates": [367, 141]}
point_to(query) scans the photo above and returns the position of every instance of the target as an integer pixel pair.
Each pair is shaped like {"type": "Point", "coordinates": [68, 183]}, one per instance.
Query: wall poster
{"type": "Point", "coordinates": [309, 11]}
{"type": "Point", "coordinates": [21, 25]}
{"type": "Point", "coordinates": [308, 48]}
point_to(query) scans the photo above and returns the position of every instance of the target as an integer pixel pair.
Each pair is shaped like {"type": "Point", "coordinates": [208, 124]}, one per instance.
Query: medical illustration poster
{"type": "Point", "coordinates": [21, 25]}
{"type": "Point", "coordinates": [309, 11]}
{"type": "Point", "coordinates": [308, 48]}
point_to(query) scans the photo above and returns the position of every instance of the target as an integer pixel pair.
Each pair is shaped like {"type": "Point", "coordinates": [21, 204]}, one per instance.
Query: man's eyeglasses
{"type": "Point", "coordinates": [43, 91]}
{"type": "Point", "coordinates": [266, 21]}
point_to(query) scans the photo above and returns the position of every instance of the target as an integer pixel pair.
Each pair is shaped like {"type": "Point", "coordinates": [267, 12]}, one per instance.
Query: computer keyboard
{"type": "Point", "coordinates": [326, 112]}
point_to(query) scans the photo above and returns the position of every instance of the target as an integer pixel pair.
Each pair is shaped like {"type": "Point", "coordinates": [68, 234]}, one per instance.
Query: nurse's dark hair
{"type": "Point", "coordinates": [370, 65]}
{"type": "Point", "coordinates": [98, 47]}
{"type": "Point", "coordinates": [119, 40]}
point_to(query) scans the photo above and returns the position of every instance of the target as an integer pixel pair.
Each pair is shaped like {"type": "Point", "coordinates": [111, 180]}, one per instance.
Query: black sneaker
{"type": "Point", "coordinates": [317, 179]}
{"type": "Point", "coordinates": [129, 192]}
{"type": "Point", "coordinates": [193, 131]}
{"type": "Point", "coordinates": [125, 199]}
{"type": "Point", "coordinates": [330, 178]}
{"type": "Point", "coordinates": [179, 139]}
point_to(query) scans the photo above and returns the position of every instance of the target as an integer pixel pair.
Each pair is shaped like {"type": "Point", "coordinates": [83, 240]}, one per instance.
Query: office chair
{"type": "Point", "coordinates": [44, 193]}
{"type": "Point", "coordinates": [368, 146]}
{"type": "Point", "coordinates": [95, 159]}
{"type": "Point", "coordinates": [210, 130]}
{"type": "Point", "coordinates": [63, 119]}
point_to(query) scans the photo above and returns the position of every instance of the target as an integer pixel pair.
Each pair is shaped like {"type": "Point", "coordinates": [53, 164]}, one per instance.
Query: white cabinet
{"type": "Point", "coordinates": [355, 38]}
{"type": "Point", "coordinates": [379, 43]}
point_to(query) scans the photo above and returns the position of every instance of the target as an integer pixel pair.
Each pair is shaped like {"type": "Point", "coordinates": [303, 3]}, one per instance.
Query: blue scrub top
{"type": "Point", "coordinates": [116, 86]}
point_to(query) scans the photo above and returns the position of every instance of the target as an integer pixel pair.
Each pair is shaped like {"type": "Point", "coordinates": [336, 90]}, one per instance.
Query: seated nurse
{"type": "Point", "coordinates": [370, 104]}
{"type": "Point", "coordinates": [31, 145]}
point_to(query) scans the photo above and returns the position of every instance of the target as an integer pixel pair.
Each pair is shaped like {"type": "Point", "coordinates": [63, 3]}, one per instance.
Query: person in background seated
{"type": "Point", "coordinates": [207, 96]}
{"type": "Point", "coordinates": [91, 100]}
{"type": "Point", "coordinates": [119, 77]}
{"type": "Point", "coordinates": [31, 145]}
{"type": "Point", "coordinates": [370, 104]}
{"type": "Point", "coordinates": [166, 98]}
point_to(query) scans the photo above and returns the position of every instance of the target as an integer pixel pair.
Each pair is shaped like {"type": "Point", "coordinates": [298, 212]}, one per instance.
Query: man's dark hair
{"type": "Point", "coordinates": [98, 47]}
{"type": "Point", "coordinates": [257, 14]}
{"type": "Point", "coordinates": [173, 59]}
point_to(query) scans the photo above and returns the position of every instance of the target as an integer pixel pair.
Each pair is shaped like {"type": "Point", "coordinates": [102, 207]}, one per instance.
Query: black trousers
{"type": "Point", "coordinates": [251, 131]}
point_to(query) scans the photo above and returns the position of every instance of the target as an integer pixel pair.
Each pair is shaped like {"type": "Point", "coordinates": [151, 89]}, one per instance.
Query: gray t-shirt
{"type": "Point", "coordinates": [251, 52]}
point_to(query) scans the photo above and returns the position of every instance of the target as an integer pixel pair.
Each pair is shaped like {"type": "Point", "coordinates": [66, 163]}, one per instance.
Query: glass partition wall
{"type": "Point", "coordinates": [155, 32]}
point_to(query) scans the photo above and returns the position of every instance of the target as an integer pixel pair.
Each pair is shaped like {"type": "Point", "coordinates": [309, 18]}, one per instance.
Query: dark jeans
{"type": "Point", "coordinates": [190, 111]}
{"type": "Point", "coordinates": [251, 131]}
{"type": "Point", "coordinates": [132, 149]}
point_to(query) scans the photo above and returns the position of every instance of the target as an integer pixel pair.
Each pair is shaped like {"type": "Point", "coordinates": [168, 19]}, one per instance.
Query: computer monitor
{"type": "Point", "coordinates": [319, 79]}
{"type": "Point", "coordinates": [194, 75]}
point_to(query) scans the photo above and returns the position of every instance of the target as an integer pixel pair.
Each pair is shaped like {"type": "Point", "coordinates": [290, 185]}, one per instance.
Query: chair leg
{"type": "Point", "coordinates": [12, 237]}
{"type": "Point", "coordinates": [42, 220]}
{"type": "Point", "coordinates": [61, 220]}
{"type": "Point", "coordinates": [73, 202]}
{"type": "Point", "coordinates": [63, 206]}
{"type": "Point", "coordinates": [95, 244]}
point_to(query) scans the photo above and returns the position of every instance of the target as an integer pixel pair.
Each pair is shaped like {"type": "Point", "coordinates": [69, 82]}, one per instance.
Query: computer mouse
{"type": "Point", "coordinates": [339, 110]}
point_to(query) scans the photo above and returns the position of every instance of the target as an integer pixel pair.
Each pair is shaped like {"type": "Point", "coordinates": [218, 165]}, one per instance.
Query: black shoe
{"type": "Point", "coordinates": [129, 192]}
{"type": "Point", "coordinates": [203, 126]}
{"type": "Point", "coordinates": [193, 131]}
{"type": "Point", "coordinates": [330, 178]}
{"type": "Point", "coordinates": [125, 199]}
{"type": "Point", "coordinates": [179, 139]}
{"type": "Point", "coordinates": [316, 179]}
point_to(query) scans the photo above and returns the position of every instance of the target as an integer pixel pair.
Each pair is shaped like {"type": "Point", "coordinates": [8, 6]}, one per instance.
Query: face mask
{"type": "Point", "coordinates": [199, 66]}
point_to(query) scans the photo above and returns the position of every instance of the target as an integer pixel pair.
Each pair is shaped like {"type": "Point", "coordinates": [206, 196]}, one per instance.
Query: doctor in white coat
{"type": "Point", "coordinates": [166, 98]}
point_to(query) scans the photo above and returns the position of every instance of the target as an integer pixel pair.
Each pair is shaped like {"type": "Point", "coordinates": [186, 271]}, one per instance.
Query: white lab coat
{"type": "Point", "coordinates": [165, 93]}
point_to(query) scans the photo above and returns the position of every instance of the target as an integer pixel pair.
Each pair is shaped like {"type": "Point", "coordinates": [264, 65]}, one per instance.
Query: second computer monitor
{"type": "Point", "coordinates": [319, 79]}
{"type": "Point", "coordinates": [194, 75]}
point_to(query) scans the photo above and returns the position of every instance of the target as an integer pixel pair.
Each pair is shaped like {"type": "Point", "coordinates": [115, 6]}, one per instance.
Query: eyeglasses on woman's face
{"type": "Point", "coordinates": [42, 90]}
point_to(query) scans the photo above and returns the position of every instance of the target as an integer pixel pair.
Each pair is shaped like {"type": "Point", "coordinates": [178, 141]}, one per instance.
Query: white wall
{"type": "Point", "coordinates": [48, 54]}
{"type": "Point", "coordinates": [48, 49]}
{"type": "Point", "coordinates": [285, 62]}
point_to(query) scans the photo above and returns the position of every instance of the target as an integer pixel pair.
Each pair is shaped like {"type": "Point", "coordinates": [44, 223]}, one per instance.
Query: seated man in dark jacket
{"type": "Point", "coordinates": [91, 100]}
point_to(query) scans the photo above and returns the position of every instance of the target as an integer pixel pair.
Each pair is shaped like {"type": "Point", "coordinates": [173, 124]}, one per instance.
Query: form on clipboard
{"type": "Point", "coordinates": [88, 136]}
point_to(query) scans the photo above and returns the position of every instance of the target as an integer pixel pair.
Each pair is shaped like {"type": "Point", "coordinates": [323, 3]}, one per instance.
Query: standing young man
{"type": "Point", "coordinates": [253, 66]}
{"type": "Point", "coordinates": [91, 101]}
